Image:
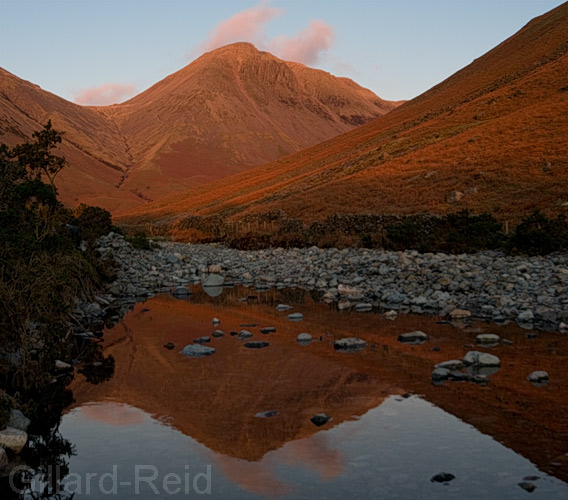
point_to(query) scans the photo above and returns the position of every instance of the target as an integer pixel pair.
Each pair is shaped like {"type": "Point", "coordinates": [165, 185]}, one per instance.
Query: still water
{"type": "Point", "coordinates": [168, 426]}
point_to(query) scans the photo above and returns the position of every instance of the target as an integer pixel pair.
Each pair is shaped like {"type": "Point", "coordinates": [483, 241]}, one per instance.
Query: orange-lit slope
{"type": "Point", "coordinates": [230, 110]}
{"type": "Point", "coordinates": [92, 145]}
{"type": "Point", "coordinates": [496, 131]}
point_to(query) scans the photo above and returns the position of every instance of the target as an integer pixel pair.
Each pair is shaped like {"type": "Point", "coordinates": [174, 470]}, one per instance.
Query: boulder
{"type": "Point", "coordinates": [181, 291]}
{"type": "Point", "coordinates": [477, 358]}
{"type": "Point", "coordinates": [202, 340]}
{"type": "Point", "coordinates": [295, 316]}
{"type": "Point", "coordinates": [320, 419]}
{"type": "Point", "coordinates": [458, 314]}
{"type": "Point", "coordinates": [440, 374]}
{"type": "Point", "coordinates": [487, 338]}
{"type": "Point", "coordinates": [391, 315]}
{"type": "Point", "coordinates": [257, 344]}
{"type": "Point", "coordinates": [349, 344]}
{"type": "Point", "coordinates": [13, 439]}
{"type": "Point", "coordinates": [538, 377]}
{"type": "Point", "coordinates": [525, 316]}
{"type": "Point", "coordinates": [18, 420]}
{"type": "Point", "coordinates": [413, 337]}
{"type": "Point", "coordinates": [244, 334]}
{"type": "Point", "coordinates": [452, 364]}
{"type": "Point", "coordinates": [304, 338]}
{"type": "Point", "coordinates": [213, 280]}
{"type": "Point", "coordinates": [197, 351]}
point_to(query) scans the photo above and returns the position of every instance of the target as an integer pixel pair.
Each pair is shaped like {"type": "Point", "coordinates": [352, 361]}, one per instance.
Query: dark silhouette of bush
{"type": "Point", "coordinates": [538, 235]}
{"type": "Point", "coordinates": [94, 221]}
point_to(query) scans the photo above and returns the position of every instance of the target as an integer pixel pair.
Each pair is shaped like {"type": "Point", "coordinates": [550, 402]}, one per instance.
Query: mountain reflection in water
{"type": "Point", "coordinates": [161, 407]}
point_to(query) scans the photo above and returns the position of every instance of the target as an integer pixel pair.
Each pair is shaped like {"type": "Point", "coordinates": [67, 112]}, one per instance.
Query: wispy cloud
{"type": "Point", "coordinates": [247, 25]}
{"type": "Point", "coordinates": [305, 47]}
{"type": "Point", "coordinates": [108, 93]}
{"type": "Point", "coordinates": [308, 46]}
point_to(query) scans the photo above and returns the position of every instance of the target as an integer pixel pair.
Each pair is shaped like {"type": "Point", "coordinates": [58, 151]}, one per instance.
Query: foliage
{"type": "Point", "coordinates": [459, 232]}
{"type": "Point", "coordinates": [93, 221]}
{"type": "Point", "coordinates": [536, 234]}
{"type": "Point", "coordinates": [140, 240]}
{"type": "Point", "coordinates": [41, 271]}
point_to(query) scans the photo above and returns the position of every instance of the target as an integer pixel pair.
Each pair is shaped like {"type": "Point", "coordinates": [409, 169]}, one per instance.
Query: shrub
{"type": "Point", "coordinates": [140, 240]}
{"type": "Point", "coordinates": [94, 221]}
{"type": "Point", "coordinates": [537, 235]}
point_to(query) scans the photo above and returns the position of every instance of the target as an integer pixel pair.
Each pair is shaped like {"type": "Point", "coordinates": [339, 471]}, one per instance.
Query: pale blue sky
{"type": "Point", "coordinates": [398, 49]}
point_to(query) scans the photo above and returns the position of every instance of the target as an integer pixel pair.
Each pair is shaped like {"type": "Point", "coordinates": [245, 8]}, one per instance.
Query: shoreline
{"type": "Point", "coordinates": [487, 286]}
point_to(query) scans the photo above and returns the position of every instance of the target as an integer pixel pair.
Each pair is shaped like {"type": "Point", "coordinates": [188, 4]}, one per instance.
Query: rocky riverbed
{"type": "Point", "coordinates": [533, 291]}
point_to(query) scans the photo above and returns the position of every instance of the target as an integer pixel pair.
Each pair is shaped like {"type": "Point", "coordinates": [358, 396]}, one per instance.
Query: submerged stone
{"type": "Point", "coordinates": [487, 338]}
{"type": "Point", "coordinates": [266, 414]}
{"type": "Point", "coordinates": [202, 340]}
{"type": "Point", "coordinates": [443, 477]}
{"type": "Point", "coordinates": [268, 329]}
{"type": "Point", "coordinates": [257, 344]}
{"type": "Point", "coordinates": [244, 334]}
{"type": "Point", "coordinates": [197, 351]}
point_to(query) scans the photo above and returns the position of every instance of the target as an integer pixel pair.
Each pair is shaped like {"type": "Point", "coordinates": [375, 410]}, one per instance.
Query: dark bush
{"type": "Point", "coordinates": [94, 221]}
{"type": "Point", "coordinates": [537, 235]}
{"type": "Point", "coordinates": [140, 240]}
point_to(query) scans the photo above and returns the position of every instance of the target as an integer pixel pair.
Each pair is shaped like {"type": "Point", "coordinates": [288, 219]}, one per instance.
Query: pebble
{"type": "Point", "coordinates": [295, 317]}
{"type": "Point", "coordinates": [304, 338]}
{"type": "Point", "coordinates": [320, 419]}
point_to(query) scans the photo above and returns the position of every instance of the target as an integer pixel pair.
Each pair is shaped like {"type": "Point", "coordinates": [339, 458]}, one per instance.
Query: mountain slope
{"type": "Point", "coordinates": [230, 110]}
{"type": "Point", "coordinates": [494, 132]}
{"type": "Point", "coordinates": [92, 144]}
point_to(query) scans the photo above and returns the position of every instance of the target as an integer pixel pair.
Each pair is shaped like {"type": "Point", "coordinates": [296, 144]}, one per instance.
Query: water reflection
{"type": "Point", "coordinates": [168, 410]}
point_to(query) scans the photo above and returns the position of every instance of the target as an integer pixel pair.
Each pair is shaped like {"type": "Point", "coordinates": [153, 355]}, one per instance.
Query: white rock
{"type": "Point", "coordinates": [61, 365]}
{"type": "Point", "coordinates": [391, 315]}
{"type": "Point", "coordinates": [304, 338]}
{"type": "Point", "coordinates": [478, 358]}
{"type": "Point", "coordinates": [295, 316]}
{"type": "Point", "coordinates": [460, 314]}
{"type": "Point", "coordinates": [538, 376]}
{"type": "Point", "coordinates": [344, 304]}
{"type": "Point", "coordinates": [349, 343]}
{"type": "Point", "coordinates": [13, 439]}
{"type": "Point", "coordinates": [416, 336]}
{"type": "Point", "coordinates": [487, 338]}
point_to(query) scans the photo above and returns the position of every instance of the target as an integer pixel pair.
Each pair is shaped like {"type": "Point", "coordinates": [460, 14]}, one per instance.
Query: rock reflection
{"type": "Point", "coordinates": [215, 399]}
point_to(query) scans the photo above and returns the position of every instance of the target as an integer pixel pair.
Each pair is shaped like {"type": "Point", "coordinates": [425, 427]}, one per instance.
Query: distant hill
{"type": "Point", "coordinates": [492, 137]}
{"type": "Point", "coordinates": [229, 110]}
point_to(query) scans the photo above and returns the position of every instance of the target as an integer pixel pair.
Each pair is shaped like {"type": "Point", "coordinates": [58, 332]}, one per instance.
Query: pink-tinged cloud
{"type": "Point", "coordinates": [247, 25]}
{"type": "Point", "coordinates": [108, 93]}
{"type": "Point", "coordinates": [307, 46]}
